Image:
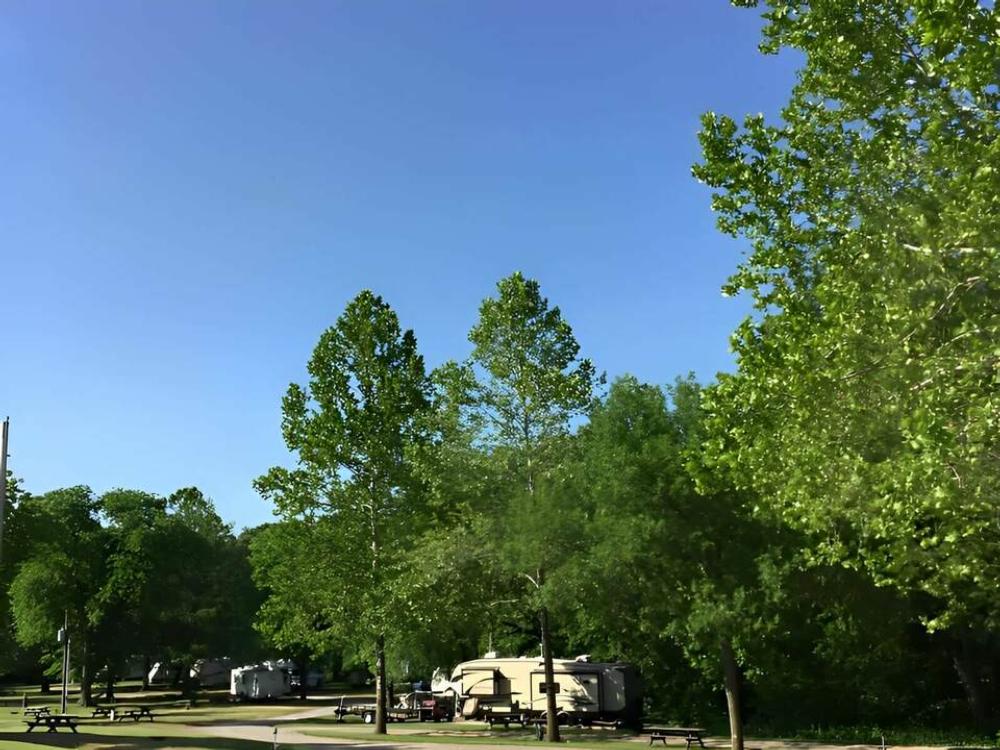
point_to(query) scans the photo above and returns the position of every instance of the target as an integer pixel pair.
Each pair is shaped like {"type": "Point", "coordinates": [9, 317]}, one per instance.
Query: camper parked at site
{"type": "Point", "coordinates": [259, 682]}
{"type": "Point", "coordinates": [515, 687]}
{"type": "Point", "coordinates": [161, 672]}
{"type": "Point", "coordinates": [211, 672]}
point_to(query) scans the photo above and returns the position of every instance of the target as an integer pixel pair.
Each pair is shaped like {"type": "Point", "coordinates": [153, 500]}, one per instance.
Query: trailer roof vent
{"type": "Point", "coordinates": [585, 658]}
{"type": "Point", "coordinates": [490, 655]}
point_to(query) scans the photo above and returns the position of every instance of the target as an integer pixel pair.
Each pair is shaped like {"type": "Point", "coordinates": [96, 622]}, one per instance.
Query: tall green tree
{"type": "Point", "coordinates": [177, 583]}
{"type": "Point", "coordinates": [19, 533]}
{"type": "Point", "coordinates": [129, 595]}
{"type": "Point", "coordinates": [136, 573]}
{"type": "Point", "coordinates": [350, 429]}
{"type": "Point", "coordinates": [295, 617]}
{"type": "Point", "coordinates": [531, 382]}
{"type": "Point", "coordinates": [702, 575]}
{"type": "Point", "coordinates": [454, 572]}
{"type": "Point", "coordinates": [202, 596]}
{"type": "Point", "coordinates": [867, 400]}
{"type": "Point", "coordinates": [63, 576]}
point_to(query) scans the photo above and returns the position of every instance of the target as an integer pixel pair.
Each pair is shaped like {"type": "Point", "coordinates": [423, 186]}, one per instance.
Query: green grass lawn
{"type": "Point", "coordinates": [188, 728]}
{"type": "Point", "coordinates": [465, 734]}
{"type": "Point", "coordinates": [181, 727]}
{"type": "Point", "coordinates": [174, 726]}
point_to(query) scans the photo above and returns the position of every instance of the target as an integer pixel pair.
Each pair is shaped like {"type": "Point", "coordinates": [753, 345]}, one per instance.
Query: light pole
{"type": "Point", "coordinates": [64, 640]}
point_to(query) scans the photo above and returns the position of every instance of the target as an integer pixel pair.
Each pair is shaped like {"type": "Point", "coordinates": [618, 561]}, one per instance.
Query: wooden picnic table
{"type": "Point", "coordinates": [688, 734]}
{"type": "Point", "coordinates": [121, 713]}
{"type": "Point", "coordinates": [53, 721]}
{"type": "Point", "coordinates": [37, 711]}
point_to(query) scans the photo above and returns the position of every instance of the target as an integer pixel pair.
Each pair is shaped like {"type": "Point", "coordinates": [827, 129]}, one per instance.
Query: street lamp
{"type": "Point", "coordinates": [63, 639]}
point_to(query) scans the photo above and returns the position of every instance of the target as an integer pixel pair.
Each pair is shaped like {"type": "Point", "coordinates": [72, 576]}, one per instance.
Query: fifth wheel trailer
{"type": "Point", "coordinates": [585, 691]}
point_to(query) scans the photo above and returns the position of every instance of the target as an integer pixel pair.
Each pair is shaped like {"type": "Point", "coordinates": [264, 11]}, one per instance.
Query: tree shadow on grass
{"type": "Point", "coordinates": [70, 740]}
{"type": "Point", "coordinates": [234, 723]}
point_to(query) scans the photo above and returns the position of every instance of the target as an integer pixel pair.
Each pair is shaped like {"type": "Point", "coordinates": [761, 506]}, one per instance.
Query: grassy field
{"type": "Point", "coordinates": [192, 728]}
{"type": "Point", "coordinates": [200, 727]}
{"type": "Point", "coordinates": [176, 725]}
{"type": "Point", "coordinates": [470, 734]}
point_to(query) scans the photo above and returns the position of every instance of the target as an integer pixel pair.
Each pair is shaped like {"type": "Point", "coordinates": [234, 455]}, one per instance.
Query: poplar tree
{"type": "Point", "coordinates": [350, 428]}
{"type": "Point", "coordinates": [531, 382]}
{"type": "Point", "coordinates": [866, 406]}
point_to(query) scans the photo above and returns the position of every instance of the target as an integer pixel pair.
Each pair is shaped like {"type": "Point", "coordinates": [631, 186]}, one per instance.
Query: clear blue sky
{"type": "Point", "coordinates": [190, 192]}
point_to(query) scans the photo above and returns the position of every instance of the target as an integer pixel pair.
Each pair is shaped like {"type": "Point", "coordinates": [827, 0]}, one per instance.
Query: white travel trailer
{"type": "Point", "coordinates": [259, 682]}
{"type": "Point", "coordinates": [212, 672]}
{"type": "Point", "coordinates": [585, 691]}
{"type": "Point", "coordinates": [161, 672]}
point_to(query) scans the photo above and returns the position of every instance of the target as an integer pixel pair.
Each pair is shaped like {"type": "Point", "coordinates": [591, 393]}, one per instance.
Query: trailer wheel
{"type": "Point", "coordinates": [562, 718]}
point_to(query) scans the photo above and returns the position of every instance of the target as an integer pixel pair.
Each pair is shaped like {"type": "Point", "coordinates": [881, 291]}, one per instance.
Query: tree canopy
{"type": "Point", "coordinates": [865, 406]}
{"type": "Point", "coordinates": [352, 489]}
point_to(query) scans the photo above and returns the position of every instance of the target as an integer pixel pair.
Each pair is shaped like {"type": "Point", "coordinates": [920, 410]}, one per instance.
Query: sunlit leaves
{"type": "Point", "coordinates": [868, 379]}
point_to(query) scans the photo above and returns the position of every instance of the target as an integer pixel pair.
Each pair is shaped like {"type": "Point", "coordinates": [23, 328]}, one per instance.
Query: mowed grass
{"type": "Point", "coordinates": [466, 734]}
{"type": "Point", "coordinates": [196, 728]}
{"type": "Point", "coordinates": [175, 725]}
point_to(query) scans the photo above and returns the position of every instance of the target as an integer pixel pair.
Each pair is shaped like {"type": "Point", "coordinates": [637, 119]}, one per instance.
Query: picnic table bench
{"type": "Point", "coordinates": [689, 734]}
{"type": "Point", "coordinates": [505, 715]}
{"type": "Point", "coordinates": [102, 711]}
{"type": "Point", "coordinates": [133, 712]}
{"type": "Point", "coordinates": [53, 721]}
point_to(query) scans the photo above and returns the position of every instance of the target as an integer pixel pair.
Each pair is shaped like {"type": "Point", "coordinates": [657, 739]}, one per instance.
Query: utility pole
{"type": "Point", "coordinates": [3, 480]}
{"type": "Point", "coordinates": [64, 640]}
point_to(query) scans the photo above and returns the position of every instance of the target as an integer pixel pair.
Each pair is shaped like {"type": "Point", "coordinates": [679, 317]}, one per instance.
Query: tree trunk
{"type": "Point", "coordinates": [733, 694]}
{"type": "Point", "coordinates": [189, 684]}
{"type": "Point", "coordinates": [965, 665]}
{"type": "Point", "coordinates": [380, 702]}
{"type": "Point", "coordinates": [109, 693]}
{"type": "Point", "coordinates": [303, 677]}
{"type": "Point", "coordinates": [551, 720]}
{"type": "Point", "coordinates": [86, 678]}
{"type": "Point", "coordinates": [146, 666]}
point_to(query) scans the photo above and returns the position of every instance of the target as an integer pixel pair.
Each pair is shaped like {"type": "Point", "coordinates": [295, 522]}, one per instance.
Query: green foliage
{"type": "Point", "coordinates": [865, 409]}
{"type": "Point", "coordinates": [297, 616]}
{"type": "Point", "coordinates": [354, 493]}
{"type": "Point", "coordinates": [16, 533]}
{"type": "Point", "coordinates": [531, 381]}
{"type": "Point", "coordinates": [61, 578]}
{"type": "Point", "coordinates": [199, 593]}
{"type": "Point", "coordinates": [700, 570]}
{"type": "Point", "coordinates": [137, 575]}
{"type": "Point", "coordinates": [350, 429]}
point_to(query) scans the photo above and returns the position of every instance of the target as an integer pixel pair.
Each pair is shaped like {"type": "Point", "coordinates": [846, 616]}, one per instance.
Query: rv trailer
{"type": "Point", "coordinates": [211, 672]}
{"type": "Point", "coordinates": [586, 691]}
{"type": "Point", "coordinates": [259, 682]}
